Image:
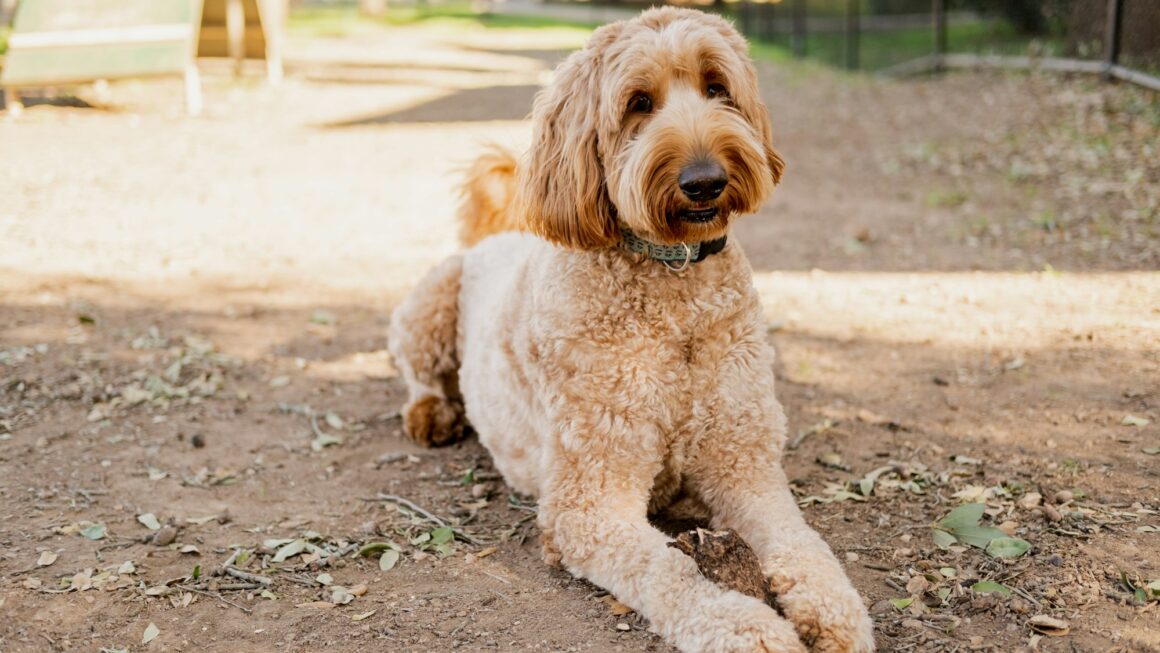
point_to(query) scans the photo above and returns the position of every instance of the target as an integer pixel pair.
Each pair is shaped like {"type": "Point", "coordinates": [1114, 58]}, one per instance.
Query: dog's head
{"type": "Point", "coordinates": [656, 126]}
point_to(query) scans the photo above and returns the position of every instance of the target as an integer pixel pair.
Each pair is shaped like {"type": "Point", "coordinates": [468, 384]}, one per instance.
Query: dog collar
{"type": "Point", "coordinates": [675, 257]}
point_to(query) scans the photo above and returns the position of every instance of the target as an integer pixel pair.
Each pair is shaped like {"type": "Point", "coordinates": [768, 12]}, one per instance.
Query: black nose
{"type": "Point", "coordinates": [703, 180]}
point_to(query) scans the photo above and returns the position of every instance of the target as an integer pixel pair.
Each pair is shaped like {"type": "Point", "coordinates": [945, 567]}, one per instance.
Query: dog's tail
{"type": "Point", "coordinates": [487, 196]}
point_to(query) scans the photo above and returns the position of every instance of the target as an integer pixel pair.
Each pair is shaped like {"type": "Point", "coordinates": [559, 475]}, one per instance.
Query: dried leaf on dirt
{"type": "Point", "coordinates": [317, 605]}
{"type": "Point", "coordinates": [1042, 623]}
{"type": "Point", "coordinates": [1007, 547]}
{"type": "Point", "coordinates": [93, 530]}
{"type": "Point", "coordinates": [46, 558]}
{"type": "Point", "coordinates": [1132, 420]}
{"type": "Point", "coordinates": [149, 520]}
{"type": "Point", "coordinates": [151, 633]}
{"type": "Point", "coordinates": [990, 587]}
{"type": "Point", "coordinates": [364, 615]}
{"type": "Point", "coordinates": [287, 551]}
{"type": "Point", "coordinates": [388, 560]}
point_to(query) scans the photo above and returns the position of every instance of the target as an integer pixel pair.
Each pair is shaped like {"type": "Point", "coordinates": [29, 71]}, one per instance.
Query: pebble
{"type": "Point", "coordinates": [1051, 513]}
{"type": "Point", "coordinates": [165, 536]}
{"type": "Point", "coordinates": [623, 626]}
{"type": "Point", "coordinates": [1063, 496]}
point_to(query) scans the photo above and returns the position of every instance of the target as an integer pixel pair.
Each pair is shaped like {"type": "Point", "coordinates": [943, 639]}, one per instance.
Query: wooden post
{"type": "Point", "coordinates": [852, 34]}
{"type": "Point", "coordinates": [939, 12]}
{"type": "Point", "coordinates": [236, 33]}
{"type": "Point", "coordinates": [13, 102]}
{"type": "Point", "coordinates": [272, 14]}
{"type": "Point", "coordinates": [1112, 36]}
{"type": "Point", "coordinates": [798, 40]}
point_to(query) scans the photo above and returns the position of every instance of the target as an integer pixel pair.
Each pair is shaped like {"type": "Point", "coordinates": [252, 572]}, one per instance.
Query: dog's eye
{"type": "Point", "coordinates": [640, 103]}
{"type": "Point", "coordinates": [716, 91]}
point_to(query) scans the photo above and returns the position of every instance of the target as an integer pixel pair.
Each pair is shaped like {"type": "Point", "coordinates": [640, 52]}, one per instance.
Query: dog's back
{"type": "Point", "coordinates": [487, 196]}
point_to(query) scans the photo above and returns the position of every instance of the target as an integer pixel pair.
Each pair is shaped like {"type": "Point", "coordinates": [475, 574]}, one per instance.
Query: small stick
{"type": "Point", "coordinates": [252, 578]}
{"type": "Point", "coordinates": [216, 596]}
{"type": "Point", "coordinates": [234, 587]}
{"type": "Point", "coordinates": [430, 517]}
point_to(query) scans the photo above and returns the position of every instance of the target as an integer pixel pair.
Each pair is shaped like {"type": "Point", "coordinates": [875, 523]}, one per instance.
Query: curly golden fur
{"type": "Point", "coordinates": [603, 382]}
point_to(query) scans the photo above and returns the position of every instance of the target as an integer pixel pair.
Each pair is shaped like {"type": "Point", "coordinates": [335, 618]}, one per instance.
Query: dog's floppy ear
{"type": "Point", "coordinates": [757, 115]}
{"type": "Point", "coordinates": [561, 189]}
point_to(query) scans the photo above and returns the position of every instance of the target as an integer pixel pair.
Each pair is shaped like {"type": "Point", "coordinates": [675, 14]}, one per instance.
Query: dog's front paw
{"type": "Point", "coordinates": [829, 617]}
{"type": "Point", "coordinates": [434, 421]}
{"type": "Point", "coordinates": [741, 624]}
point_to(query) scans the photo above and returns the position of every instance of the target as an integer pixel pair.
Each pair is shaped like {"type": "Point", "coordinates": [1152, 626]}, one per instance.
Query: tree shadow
{"type": "Point", "coordinates": [467, 105]}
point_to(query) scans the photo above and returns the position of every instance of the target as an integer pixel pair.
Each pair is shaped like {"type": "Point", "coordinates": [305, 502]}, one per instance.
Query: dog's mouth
{"type": "Point", "coordinates": [698, 215]}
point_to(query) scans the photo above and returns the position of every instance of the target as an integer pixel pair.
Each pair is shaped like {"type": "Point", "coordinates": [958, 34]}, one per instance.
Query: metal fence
{"type": "Point", "coordinates": [1116, 38]}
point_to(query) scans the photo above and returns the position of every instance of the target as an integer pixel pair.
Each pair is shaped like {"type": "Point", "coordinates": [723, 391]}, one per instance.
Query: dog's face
{"type": "Point", "coordinates": [655, 126]}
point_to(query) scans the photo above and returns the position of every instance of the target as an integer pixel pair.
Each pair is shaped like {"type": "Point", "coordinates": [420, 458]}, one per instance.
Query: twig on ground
{"type": "Point", "coordinates": [419, 510]}
{"type": "Point", "coordinates": [252, 578]}
{"type": "Point", "coordinates": [214, 595]}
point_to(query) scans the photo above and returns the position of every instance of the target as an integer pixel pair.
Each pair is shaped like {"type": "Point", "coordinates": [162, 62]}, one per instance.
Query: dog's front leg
{"type": "Point", "coordinates": [593, 517]}
{"type": "Point", "coordinates": [742, 482]}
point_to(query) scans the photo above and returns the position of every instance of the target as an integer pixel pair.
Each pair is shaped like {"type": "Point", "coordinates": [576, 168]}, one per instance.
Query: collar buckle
{"type": "Point", "coordinates": [684, 265]}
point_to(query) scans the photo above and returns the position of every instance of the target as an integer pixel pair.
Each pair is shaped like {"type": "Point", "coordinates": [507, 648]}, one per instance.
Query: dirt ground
{"type": "Point", "coordinates": [959, 272]}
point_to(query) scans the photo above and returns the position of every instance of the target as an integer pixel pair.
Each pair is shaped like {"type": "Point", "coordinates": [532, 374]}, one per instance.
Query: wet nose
{"type": "Point", "coordinates": [703, 180]}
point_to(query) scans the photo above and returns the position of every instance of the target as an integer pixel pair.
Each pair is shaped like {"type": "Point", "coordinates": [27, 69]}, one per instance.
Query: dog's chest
{"type": "Point", "coordinates": [692, 404]}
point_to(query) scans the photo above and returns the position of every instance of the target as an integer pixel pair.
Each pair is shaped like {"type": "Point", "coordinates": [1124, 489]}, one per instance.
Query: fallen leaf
{"type": "Point", "coordinates": [1029, 500]}
{"type": "Point", "coordinates": [318, 605]}
{"type": "Point", "coordinates": [279, 381]}
{"type": "Point", "coordinates": [151, 633]}
{"type": "Point", "coordinates": [149, 520]}
{"type": "Point", "coordinates": [32, 583]}
{"type": "Point", "coordinates": [267, 594]}
{"type": "Point", "coordinates": [375, 547]}
{"type": "Point", "coordinates": [46, 558]}
{"type": "Point", "coordinates": [126, 567]}
{"type": "Point", "coordinates": [360, 617]}
{"type": "Point", "coordinates": [93, 530]}
{"type": "Point", "coordinates": [189, 549]}
{"type": "Point", "coordinates": [833, 460]}
{"type": "Point", "coordinates": [340, 595]}
{"type": "Point", "coordinates": [902, 604]}
{"type": "Point", "coordinates": [289, 550]}
{"type": "Point", "coordinates": [199, 521]}
{"type": "Point", "coordinates": [1151, 451]}
{"type": "Point", "coordinates": [388, 560]}
{"type": "Point", "coordinates": [990, 587]}
{"type": "Point", "coordinates": [359, 590]}
{"type": "Point", "coordinates": [324, 579]}
{"type": "Point", "coordinates": [442, 535]}
{"type": "Point", "coordinates": [323, 441]}
{"type": "Point", "coordinates": [1132, 420]}
{"type": "Point", "coordinates": [334, 421]}
{"type": "Point", "coordinates": [1051, 626]}
{"type": "Point", "coordinates": [1007, 547]}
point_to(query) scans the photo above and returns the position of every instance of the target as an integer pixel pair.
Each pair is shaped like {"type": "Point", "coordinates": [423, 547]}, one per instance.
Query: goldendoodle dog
{"type": "Point", "coordinates": [609, 349]}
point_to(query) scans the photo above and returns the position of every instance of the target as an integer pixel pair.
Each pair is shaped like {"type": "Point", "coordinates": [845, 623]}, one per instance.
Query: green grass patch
{"type": "Point", "coordinates": [885, 48]}
{"type": "Point", "coordinates": [946, 198]}
{"type": "Point", "coordinates": [4, 39]}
